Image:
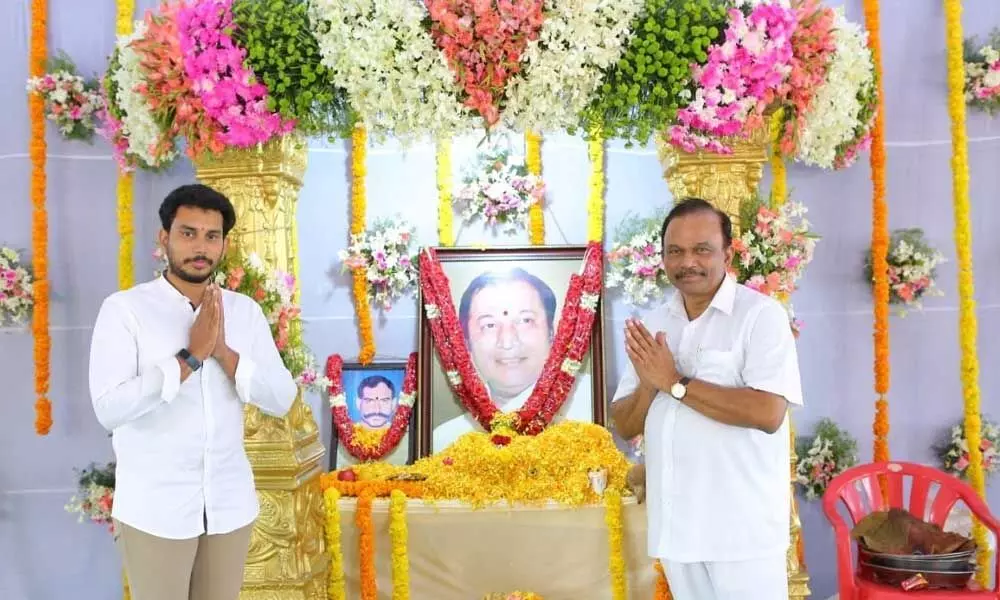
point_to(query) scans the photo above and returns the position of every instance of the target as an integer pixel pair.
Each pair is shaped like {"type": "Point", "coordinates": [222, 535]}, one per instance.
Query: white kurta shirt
{"type": "Point", "coordinates": [716, 492]}
{"type": "Point", "coordinates": [179, 446]}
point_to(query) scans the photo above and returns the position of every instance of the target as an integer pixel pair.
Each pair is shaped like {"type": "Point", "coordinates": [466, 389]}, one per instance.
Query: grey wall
{"type": "Point", "coordinates": [45, 554]}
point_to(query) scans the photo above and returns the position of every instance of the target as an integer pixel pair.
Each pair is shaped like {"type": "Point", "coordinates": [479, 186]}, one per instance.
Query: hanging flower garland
{"type": "Point", "coordinates": [635, 261]}
{"type": "Point", "coordinates": [779, 176]}
{"type": "Point", "coordinates": [398, 537]}
{"type": "Point", "coordinates": [982, 73]}
{"type": "Point", "coordinates": [616, 532]}
{"type": "Point", "coordinates": [446, 225]}
{"type": "Point", "coordinates": [16, 289]}
{"type": "Point", "coordinates": [39, 220]}
{"type": "Point", "coordinates": [662, 590]}
{"type": "Point", "coordinates": [71, 102]}
{"type": "Point", "coordinates": [124, 188]}
{"type": "Point", "coordinates": [880, 244]}
{"type": "Point", "coordinates": [569, 347]}
{"type": "Point", "coordinates": [336, 589]}
{"type": "Point", "coordinates": [968, 327]}
{"type": "Point", "coordinates": [533, 160]}
{"type": "Point", "coordinates": [595, 193]}
{"type": "Point", "coordinates": [382, 253]}
{"type": "Point", "coordinates": [363, 442]}
{"type": "Point", "coordinates": [954, 453]}
{"type": "Point", "coordinates": [822, 457]}
{"type": "Point", "coordinates": [359, 205]}
{"type": "Point", "coordinates": [501, 189]}
{"type": "Point", "coordinates": [912, 269]}
{"type": "Point", "coordinates": [366, 546]}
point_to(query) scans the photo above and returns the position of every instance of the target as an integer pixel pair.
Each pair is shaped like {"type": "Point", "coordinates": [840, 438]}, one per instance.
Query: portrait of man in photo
{"type": "Point", "coordinates": [376, 402]}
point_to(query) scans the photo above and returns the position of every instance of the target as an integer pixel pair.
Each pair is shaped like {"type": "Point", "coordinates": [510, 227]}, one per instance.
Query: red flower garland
{"type": "Point", "coordinates": [346, 428]}
{"type": "Point", "coordinates": [569, 347]}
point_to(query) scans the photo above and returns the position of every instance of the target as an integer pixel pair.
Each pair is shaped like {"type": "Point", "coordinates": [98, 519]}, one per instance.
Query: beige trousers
{"type": "Point", "coordinates": [209, 567]}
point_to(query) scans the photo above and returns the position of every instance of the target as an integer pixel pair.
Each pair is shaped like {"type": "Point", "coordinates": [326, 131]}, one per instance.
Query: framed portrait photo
{"type": "Point", "coordinates": [508, 301]}
{"type": "Point", "coordinates": [372, 395]}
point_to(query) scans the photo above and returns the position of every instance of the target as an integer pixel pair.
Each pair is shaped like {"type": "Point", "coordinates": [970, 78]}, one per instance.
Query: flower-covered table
{"type": "Point", "coordinates": [457, 552]}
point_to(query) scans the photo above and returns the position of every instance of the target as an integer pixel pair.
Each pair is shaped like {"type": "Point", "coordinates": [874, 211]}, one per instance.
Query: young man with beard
{"type": "Point", "coordinates": [172, 363]}
{"type": "Point", "coordinates": [710, 379]}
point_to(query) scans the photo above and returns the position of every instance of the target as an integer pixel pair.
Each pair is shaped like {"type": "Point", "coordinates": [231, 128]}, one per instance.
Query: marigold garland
{"type": "Point", "coordinates": [366, 546]}
{"type": "Point", "coordinates": [880, 243]}
{"type": "Point", "coordinates": [779, 176]}
{"type": "Point", "coordinates": [336, 589]}
{"type": "Point", "coordinates": [371, 487]}
{"type": "Point", "coordinates": [398, 537]}
{"type": "Point", "coordinates": [125, 186]}
{"type": "Point", "coordinates": [533, 160]}
{"type": "Point", "coordinates": [595, 197]}
{"type": "Point", "coordinates": [968, 326]}
{"type": "Point", "coordinates": [662, 591]}
{"type": "Point", "coordinates": [39, 220]}
{"type": "Point", "coordinates": [446, 213]}
{"type": "Point", "coordinates": [613, 519]}
{"type": "Point", "coordinates": [359, 172]}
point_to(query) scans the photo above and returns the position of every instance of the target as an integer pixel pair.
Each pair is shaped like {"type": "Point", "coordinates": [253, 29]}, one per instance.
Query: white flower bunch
{"type": "Point", "coordinates": [498, 188]}
{"type": "Point", "coordinates": [579, 40]}
{"type": "Point", "coordinates": [954, 455]}
{"type": "Point", "coordinates": [397, 79]}
{"type": "Point", "coordinates": [384, 252]}
{"type": "Point", "coordinates": [635, 261]}
{"type": "Point", "coordinates": [836, 110]}
{"type": "Point", "coordinates": [16, 297]}
{"type": "Point", "coordinates": [71, 102]}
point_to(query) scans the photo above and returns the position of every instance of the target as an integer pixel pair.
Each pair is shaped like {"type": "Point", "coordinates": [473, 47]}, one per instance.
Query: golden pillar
{"type": "Point", "coordinates": [287, 559]}
{"type": "Point", "coordinates": [727, 181]}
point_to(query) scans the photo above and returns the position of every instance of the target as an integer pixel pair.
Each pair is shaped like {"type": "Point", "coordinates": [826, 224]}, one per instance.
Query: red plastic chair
{"type": "Point", "coordinates": [859, 488]}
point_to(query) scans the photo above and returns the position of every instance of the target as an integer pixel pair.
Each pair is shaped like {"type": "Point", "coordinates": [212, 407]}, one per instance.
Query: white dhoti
{"type": "Point", "coordinates": [757, 579]}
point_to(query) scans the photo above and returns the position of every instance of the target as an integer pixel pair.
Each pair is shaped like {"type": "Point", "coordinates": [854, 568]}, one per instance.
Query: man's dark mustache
{"type": "Point", "coordinates": [686, 273]}
{"type": "Point", "coordinates": [198, 258]}
{"type": "Point", "coordinates": [378, 414]}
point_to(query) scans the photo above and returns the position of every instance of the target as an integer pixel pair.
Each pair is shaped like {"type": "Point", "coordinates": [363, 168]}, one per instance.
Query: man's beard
{"type": "Point", "coordinates": [195, 278]}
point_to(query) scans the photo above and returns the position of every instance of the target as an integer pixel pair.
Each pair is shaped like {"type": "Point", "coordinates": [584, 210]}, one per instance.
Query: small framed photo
{"type": "Point", "coordinates": [372, 394]}
{"type": "Point", "coordinates": [508, 301]}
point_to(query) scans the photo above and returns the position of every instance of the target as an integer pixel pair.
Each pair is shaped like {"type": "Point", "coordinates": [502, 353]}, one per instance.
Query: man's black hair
{"type": "Point", "coordinates": [690, 206]}
{"type": "Point", "coordinates": [198, 196]}
{"type": "Point", "coordinates": [374, 381]}
{"type": "Point", "coordinates": [489, 278]}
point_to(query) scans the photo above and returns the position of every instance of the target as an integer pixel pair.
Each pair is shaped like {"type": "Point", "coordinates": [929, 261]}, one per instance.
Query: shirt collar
{"type": "Point", "coordinates": [723, 300]}
{"type": "Point", "coordinates": [168, 289]}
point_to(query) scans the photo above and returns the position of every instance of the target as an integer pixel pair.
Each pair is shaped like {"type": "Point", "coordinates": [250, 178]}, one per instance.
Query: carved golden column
{"type": "Point", "coordinates": [287, 558]}
{"type": "Point", "coordinates": [727, 181]}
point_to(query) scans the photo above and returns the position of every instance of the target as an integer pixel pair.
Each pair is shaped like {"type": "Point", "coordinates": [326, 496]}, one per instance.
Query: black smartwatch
{"type": "Point", "coordinates": [189, 358]}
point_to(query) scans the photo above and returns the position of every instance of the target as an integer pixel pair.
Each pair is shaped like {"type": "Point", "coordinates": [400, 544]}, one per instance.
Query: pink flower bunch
{"type": "Point", "coordinates": [70, 102]}
{"type": "Point", "coordinates": [168, 91]}
{"type": "Point", "coordinates": [214, 65]}
{"type": "Point", "coordinates": [771, 256]}
{"type": "Point", "coordinates": [483, 41]}
{"type": "Point", "coordinates": [813, 47]}
{"type": "Point", "coordinates": [742, 77]}
{"type": "Point", "coordinates": [111, 129]}
{"type": "Point", "coordinates": [984, 83]}
{"type": "Point", "coordinates": [907, 288]}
